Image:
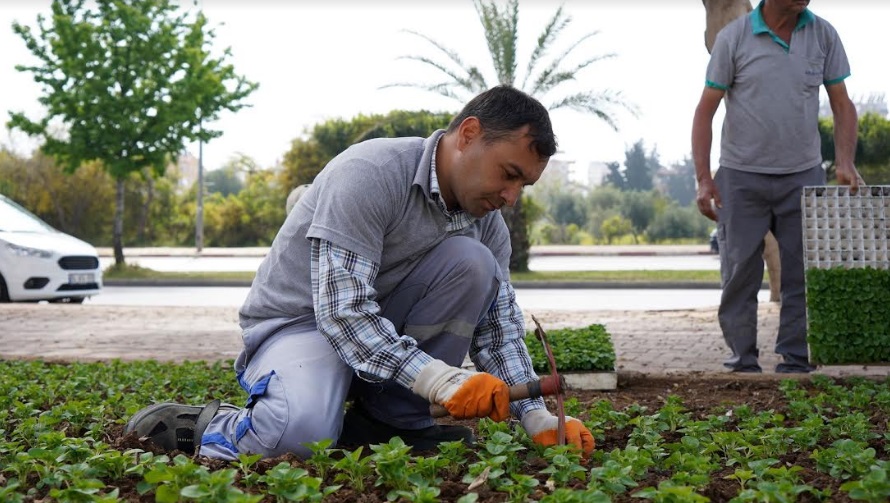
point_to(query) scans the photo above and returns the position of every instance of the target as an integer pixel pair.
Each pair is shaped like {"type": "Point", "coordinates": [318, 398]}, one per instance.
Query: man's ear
{"type": "Point", "coordinates": [470, 130]}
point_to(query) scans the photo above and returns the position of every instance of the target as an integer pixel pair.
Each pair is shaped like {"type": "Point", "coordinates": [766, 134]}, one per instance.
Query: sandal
{"type": "Point", "coordinates": [172, 426]}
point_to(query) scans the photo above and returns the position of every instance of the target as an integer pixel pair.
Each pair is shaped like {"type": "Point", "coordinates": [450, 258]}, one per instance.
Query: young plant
{"type": "Point", "coordinates": [611, 478]}
{"type": "Point", "coordinates": [845, 459]}
{"type": "Point", "coordinates": [563, 465]}
{"type": "Point", "coordinates": [287, 483]}
{"type": "Point", "coordinates": [668, 492]}
{"type": "Point", "coordinates": [353, 468]}
{"type": "Point", "coordinates": [391, 463]}
{"type": "Point", "coordinates": [873, 488]}
{"type": "Point", "coordinates": [454, 455]}
{"type": "Point", "coordinates": [168, 480]}
{"type": "Point", "coordinates": [320, 459]}
{"type": "Point", "coordinates": [245, 464]}
{"type": "Point", "coordinates": [519, 487]}
{"type": "Point", "coordinates": [420, 491]}
{"type": "Point", "coordinates": [219, 486]}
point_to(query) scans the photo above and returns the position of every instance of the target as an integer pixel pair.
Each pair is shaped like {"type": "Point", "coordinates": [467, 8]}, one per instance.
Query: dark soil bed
{"type": "Point", "coordinates": [702, 396]}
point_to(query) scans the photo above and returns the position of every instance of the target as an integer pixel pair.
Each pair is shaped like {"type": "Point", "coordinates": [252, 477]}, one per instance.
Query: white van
{"type": "Point", "coordinates": [38, 262]}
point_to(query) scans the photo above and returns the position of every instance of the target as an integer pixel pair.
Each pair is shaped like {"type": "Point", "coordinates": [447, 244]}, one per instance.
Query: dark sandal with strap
{"type": "Point", "coordinates": [173, 426]}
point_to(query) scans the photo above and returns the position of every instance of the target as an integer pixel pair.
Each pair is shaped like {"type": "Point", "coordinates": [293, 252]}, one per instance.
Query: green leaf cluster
{"type": "Point", "coordinates": [58, 424]}
{"type": "Point", "coordinates": [588, 348]}
{"type": "Point", "coordinates": [847, 315]}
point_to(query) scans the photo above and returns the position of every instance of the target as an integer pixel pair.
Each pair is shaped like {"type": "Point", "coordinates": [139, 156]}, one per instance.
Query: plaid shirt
{"type": "Point", "coordinates": [342, 291]}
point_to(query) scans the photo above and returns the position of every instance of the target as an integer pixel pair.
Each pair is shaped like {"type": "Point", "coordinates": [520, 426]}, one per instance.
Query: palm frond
{"type": "Point", "coordinates": [596, 103]}
{"type": "Point", "coordinates": [472, 81]}
{"type": "Point", "coordinates": [501, 33]}
{"type": "Point", "coordinates": [548, 35]}
{"type": "Point", "coordinates": [552, 76]}
{"type": "Point", "coordinates": [443, 89]}
{"type": "Point", "coordinates": [452, 55]}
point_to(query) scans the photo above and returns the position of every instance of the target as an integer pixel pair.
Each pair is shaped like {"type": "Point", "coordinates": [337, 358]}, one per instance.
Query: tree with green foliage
{"type": "Point", "coordinates": [615, 178]}
{"type": "Point", "coordinates": [501, 29]}
{"type": "Point", "coordinates": [872, 147]}
{"type": "Point", "coordinates": [639, 208]}
{"type": "Point", "coordinates": [132, 82]}
{"type": "Point", "coordinates": [640, 167]}
{"type": "Point", "coordinates": [615, 227]}
{"type": "Point", "coordinates": [679, 182]}
{"type": "Point", "coordinates": [676, 222]}
{"type": "Point", "coordinates": [224, 181]}
{"type": "Point", "coordinates": [307, 156]}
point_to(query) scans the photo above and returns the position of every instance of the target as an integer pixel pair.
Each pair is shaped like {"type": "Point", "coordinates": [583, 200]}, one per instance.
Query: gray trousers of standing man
{"type": "Point", "coordinates": [297, 384]}
{"type": "Point", "coordinates": [752, 204]}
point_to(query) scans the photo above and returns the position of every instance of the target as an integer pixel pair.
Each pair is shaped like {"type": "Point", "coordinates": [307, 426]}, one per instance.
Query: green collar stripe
{"type": "Point", "coordinates": [835, 81]}
{"type": "Point", "coordinates": [758, 25]}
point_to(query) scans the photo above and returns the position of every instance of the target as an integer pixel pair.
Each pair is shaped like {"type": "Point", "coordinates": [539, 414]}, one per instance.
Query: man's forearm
{"type": "Point", "coordinates": [701, 148]}
{"type": "Point", "coordinates": [845, 132]}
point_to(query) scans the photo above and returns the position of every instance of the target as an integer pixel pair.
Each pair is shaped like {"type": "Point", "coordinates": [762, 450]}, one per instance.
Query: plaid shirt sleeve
{"type": "Point", "coordinates": [499, 348]}
{"type": "Point", "coordinates": [349, 318]}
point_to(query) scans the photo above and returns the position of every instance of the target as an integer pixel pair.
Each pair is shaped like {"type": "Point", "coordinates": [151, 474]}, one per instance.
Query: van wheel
{"type": "Point", "coordinates": [4, 293]}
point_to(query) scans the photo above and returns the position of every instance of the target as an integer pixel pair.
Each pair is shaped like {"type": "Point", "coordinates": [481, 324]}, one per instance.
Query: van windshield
{"type": "Point", "coordinates": [14, 218]}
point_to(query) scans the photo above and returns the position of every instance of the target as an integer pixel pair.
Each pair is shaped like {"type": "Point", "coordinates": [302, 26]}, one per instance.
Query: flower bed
{"type": "Point", "coordinates": [701, 438]}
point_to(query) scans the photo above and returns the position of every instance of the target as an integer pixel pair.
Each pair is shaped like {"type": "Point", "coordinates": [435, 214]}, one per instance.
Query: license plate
{"type": "Point", "coordinates": [81, 279]}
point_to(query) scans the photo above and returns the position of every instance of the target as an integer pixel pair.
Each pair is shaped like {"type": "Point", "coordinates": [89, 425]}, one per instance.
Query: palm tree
{"type": "Point", "coordinates": [463, 81]}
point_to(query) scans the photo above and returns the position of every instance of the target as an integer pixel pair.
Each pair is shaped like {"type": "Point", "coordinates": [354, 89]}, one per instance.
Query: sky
{"type": "Point", "coordinates": [316, 60]}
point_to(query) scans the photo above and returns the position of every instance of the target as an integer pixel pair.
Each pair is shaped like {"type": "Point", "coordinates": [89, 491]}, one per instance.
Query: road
{"type": "Point", "coordinates": [529, 298]}
{"type": "Point", "coordinates": [539, 263]}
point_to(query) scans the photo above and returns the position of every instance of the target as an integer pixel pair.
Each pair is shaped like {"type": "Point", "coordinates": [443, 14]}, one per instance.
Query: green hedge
{"type": "Point", "coordinates": [848, 315]}
{"type": "Point", "coordinates": [574, 349]}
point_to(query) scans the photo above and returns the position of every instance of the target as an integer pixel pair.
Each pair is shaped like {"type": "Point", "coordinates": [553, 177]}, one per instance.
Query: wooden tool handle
{"type": "Point", "coordinates": [546, 386]}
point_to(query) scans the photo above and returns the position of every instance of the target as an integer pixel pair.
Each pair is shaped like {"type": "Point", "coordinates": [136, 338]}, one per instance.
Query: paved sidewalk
{"type": "Point", "coordinates": [646, 342]}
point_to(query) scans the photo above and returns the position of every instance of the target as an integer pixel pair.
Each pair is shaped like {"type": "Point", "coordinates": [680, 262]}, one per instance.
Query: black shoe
{"type": "Point", "coordinates": [794, 365]}
{"type": "Point", "coordinates": [359, 428]}
{"type": "Point", "coordinates": [746, 370]}
{"type": "Point", "coordinates": [794, 368]}
{"type": "Point", "coordinates": [172, 426]}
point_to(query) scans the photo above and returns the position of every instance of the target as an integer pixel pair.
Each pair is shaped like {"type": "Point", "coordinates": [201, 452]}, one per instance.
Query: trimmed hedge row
{"type": "Point", "coordinates": [848, 315]}
{"type": "Point", "coordinates": [574, 349]}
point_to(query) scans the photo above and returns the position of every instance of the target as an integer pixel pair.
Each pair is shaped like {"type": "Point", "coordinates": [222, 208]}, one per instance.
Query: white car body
{"type": "Point", "coordinates": [38, 262]}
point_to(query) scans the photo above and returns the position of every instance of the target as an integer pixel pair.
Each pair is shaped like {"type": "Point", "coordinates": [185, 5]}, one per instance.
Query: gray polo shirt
{"type": "Point", "coordinates": [772, 91]}
{"type": "Point", "coordinates": [374, 200]}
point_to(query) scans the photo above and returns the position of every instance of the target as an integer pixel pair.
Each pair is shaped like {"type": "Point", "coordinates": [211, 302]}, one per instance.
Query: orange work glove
{"type": "Point", "coordinates": [463, 393]}
{"type": "Point", "coordinates": [541, 426]}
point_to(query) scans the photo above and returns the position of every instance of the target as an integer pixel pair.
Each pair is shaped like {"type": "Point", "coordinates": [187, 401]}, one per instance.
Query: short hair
{"type": "Point", "coordinates": [502, 110]}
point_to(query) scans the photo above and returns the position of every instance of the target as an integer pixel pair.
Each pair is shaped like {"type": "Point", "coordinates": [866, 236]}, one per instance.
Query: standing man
{"type": "Point", "coordinates": [767, 66]}
{"type": "Point", "coordinates": [389, 270]}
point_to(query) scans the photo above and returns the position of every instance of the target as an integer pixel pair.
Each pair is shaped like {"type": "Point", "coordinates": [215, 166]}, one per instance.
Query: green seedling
{"type": "Point", "coordinates": [564, 465]}
{"type": "Point", "coordinates": [873, 488]}
{"type": "Point", "coordinates": [391, 463]}
{"type": "Point", "coordinates": [611, 478]}
{"type": "Point", "coordinates": [353, 468]}
{"type": "Point", "coordinates": [321, 459]}
{"type": "Point", "coordinates": [287, 483]}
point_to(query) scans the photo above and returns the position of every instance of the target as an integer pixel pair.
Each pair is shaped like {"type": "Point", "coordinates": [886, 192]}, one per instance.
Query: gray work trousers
{"type": "Point", "coordinates": [297, 384]}
{"type": "Point", "coordinates": [752, 204]}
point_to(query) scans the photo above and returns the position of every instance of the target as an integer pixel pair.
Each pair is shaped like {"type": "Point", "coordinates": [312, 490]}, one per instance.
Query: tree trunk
{"type": "Point", "coordinates": [118, 232]}
{"type": "Point", "coordinates": [515, 218]}
{"type": "Point", "coordinates": [145, 208]}
{"type": "Point", "coordinates": [773, 265]}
